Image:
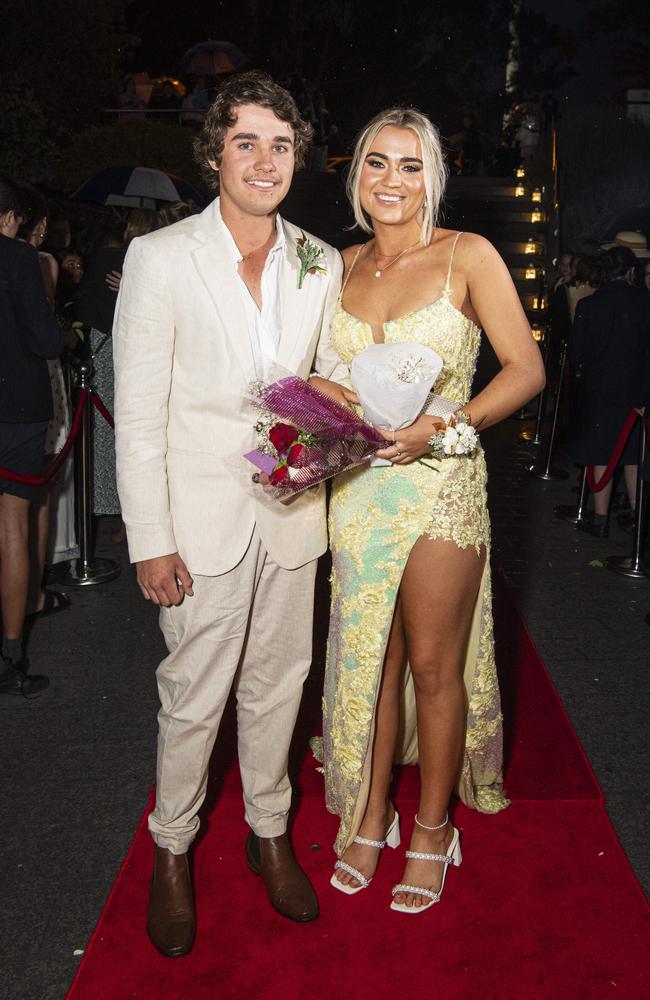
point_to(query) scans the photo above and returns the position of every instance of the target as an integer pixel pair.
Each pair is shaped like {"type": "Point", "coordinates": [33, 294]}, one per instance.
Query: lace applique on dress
{"type": "Point", "coordinates": [376, 516]}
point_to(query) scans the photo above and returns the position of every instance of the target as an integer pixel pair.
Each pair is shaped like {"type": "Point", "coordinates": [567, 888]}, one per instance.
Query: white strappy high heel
{"type": "Point", "coordinates": [392, 840]}
{"type": "Point", "coordinates": [454, 856]}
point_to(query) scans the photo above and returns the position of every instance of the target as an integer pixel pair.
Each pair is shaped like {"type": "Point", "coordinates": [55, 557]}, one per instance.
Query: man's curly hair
{"type": "Point", "coordinates": [247, 88]}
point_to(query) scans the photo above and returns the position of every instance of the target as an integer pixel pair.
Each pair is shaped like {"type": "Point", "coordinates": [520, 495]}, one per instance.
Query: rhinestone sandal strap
{"type": "Point", "coordinates": [379, 844]}
{"type": "Point", "coordinates": [354, 872]}
{"type": "Point", "coordinates": [417, 889]}
{"type": "Point", "coordinates": [419, 856]}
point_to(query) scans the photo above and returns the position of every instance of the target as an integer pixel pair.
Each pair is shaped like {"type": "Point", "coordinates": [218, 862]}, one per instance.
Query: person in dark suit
{"type": "Point", "coordinates": [609, 353]}
{"type": "Point", "coordinates": [29, 335]}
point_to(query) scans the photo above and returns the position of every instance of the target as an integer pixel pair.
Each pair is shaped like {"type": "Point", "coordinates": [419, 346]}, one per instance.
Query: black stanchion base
{"type": "Point", "coordinates": [80, 574]}
{"type": "Point", "coordinates": [521, 415]}
{"type": "Point", "coordinates": [627, 566]}
{"type": "Point", "coordinates": [551, 475]}
{"type": "Point", "coordinates": [567, 512]}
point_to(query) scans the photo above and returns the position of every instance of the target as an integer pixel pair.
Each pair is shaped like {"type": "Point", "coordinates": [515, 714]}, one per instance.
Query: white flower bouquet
{"type": "Point", "coordinates": [394, 384]}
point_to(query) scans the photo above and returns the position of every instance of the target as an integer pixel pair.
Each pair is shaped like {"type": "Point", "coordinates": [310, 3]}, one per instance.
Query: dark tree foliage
{"type": "Point", "coordinates": [443, 57]}
{"type": "Point", "coordinates": [68, 55]}
{"type": "Point", "coordinates": [627, 24]}
{"type": "Point", "coordinates": [546, 54]}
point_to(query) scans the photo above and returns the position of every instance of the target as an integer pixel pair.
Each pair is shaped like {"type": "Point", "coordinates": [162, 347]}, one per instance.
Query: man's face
{"type": "Point", "coordinates": [257, 162]}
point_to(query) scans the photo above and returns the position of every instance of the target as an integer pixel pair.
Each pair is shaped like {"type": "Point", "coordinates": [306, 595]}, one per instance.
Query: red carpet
{"type": "Point", "coordinates": [544, 907]}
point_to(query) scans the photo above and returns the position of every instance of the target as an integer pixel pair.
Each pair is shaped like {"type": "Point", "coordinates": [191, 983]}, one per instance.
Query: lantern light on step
{"type": "Point", "coordinates": [531, 273]}
{"type": "Point", "coordinates": [537, 195]}
{"type": "Point", "coordinates": [536, 217]}
{"type": "Point", "coordinates": [537, 332]}
{"type": "Point", "coordinates": [520, 172]}
{"type": "Point", "coordinates": [520, 191]}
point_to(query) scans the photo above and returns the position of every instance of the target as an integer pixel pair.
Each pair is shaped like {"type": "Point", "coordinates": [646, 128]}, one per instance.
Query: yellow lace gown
{"type": "Point", "coordinates": [376, 516]}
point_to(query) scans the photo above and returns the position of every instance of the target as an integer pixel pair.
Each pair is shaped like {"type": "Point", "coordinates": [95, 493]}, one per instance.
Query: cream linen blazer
{"type": "Point", "coordinates": [183, 365]}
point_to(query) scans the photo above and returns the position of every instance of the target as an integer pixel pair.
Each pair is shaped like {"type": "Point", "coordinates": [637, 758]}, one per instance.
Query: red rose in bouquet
{"type": "Point", "coordinates": [297, 455]}
{"type": "Point", "coordinates": [282, 437]}
{"type": "Point", "coordinates": [279, 474]}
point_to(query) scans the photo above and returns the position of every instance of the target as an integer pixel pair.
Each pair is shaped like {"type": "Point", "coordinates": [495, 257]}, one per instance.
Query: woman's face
{"type": "Point", "coordinates": [391, 185]}
{"type": "Point", "coordinates": [646, 276]}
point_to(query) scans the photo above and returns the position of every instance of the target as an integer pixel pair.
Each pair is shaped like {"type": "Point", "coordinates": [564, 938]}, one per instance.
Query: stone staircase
{"type": "Point", "coordinates": [514, 223]}
{"type": "Point", "coordinates": [486, 205]}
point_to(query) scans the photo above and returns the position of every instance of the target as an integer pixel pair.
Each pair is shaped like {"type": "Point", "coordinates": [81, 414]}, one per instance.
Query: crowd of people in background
{"type": "Point", "coordinates": [599, 306]}
{"type": "Point", "coordinates": [59, 280]}
{"type": "Point", "coordinates": [170, 100]}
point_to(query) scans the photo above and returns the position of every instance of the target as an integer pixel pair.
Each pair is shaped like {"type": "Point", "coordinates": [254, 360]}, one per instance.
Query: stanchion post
{"type": "Point", "coordinates": [632, 566]}
{"type": "Point", "coordinates": [87, 570]}
{"type": "Point", "coordinates": [578, 514]}
{"type": "Point", "coordinates": [546, 471]}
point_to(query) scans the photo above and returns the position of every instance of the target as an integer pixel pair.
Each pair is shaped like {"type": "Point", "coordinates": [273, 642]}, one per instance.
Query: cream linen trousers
{"type": "Point", "coordinates": [251, 626]}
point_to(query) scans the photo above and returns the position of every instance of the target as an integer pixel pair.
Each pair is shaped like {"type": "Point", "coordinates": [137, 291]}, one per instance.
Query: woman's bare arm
{"type": "Point", "coordinates": [493, 303]}
{"type": "Point", "coordinates": [499, 312]}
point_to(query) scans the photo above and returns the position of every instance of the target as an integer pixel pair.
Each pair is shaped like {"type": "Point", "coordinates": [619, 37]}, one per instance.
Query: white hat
{"type": "Point", "coordinates": [636, 242]}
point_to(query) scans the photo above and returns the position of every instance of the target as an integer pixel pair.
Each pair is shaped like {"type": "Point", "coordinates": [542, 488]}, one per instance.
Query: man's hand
{"type": "Point", "coordinates": [164, 580]}
{"type": "Point", "coordinates": [114, 280]}
{"type": "Point", "coordinates": [341, 393]}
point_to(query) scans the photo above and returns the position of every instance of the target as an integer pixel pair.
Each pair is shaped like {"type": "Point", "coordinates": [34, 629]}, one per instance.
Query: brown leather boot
{"type": "Point", "coordinates": [290, 891]}
{"type": "Point", "coordinates": [170, 920]}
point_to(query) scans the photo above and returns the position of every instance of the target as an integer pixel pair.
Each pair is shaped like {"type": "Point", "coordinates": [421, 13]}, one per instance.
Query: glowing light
{"type": "Point", "coordinates": [536, 217]}
{"type": "Point", "coordinates": [520, 172]}
{"type": "Point", "coordinates": [537, 195]}
{"type": "Point", "coordinates": [531, 273]}
{"type": "Point", "coordinates": [530, 247]}
{"type": "Point", "coordinates": [520, 191]}
{"type": "Point", "coordinates": [538, 333]}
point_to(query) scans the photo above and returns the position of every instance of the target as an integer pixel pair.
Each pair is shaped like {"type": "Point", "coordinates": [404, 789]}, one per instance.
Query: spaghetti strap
{"type": "Point", "coordinates": [347, 277]}
{"type": "Point", "coordinates": [451, 261]}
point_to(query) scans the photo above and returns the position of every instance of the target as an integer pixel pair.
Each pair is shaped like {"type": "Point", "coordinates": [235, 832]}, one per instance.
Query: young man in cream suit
{"type": "Point", "coordinates": [202, 303]}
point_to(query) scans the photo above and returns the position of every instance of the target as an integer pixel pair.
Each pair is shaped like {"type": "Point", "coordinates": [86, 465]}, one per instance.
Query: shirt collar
{"type": "Point", "coordinates": [233, 249]}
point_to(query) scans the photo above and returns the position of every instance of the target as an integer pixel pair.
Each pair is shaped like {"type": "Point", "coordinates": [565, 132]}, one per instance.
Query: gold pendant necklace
{"type": "Point", "coordinates": [378, 272]}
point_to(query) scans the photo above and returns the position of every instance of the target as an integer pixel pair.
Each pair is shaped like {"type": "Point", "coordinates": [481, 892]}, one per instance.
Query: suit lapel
{"type": "Point", "coordinates": [295, 301]}
{"type": "Point", "coordinates": [214, 264]}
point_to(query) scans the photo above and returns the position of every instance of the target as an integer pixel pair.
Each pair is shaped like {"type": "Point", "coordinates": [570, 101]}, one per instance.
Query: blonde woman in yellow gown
{"type": "Point", "coordinates": [410, 674]}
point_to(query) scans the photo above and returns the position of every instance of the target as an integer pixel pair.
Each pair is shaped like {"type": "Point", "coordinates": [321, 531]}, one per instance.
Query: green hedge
{"type": "Point", "coordinates": [135, 144]}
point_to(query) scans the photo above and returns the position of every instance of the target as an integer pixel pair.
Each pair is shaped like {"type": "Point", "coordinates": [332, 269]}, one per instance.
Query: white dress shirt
{"type": "Point", "coordinates": [265, 324]}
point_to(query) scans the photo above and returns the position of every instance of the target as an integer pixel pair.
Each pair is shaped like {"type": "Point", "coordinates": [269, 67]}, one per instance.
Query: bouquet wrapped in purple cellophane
{"type": "Point", "coordinates": [332, 437]}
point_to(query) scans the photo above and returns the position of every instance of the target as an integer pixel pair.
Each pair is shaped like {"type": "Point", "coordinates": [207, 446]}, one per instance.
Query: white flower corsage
{"type": "Point", "coordinates": [311, 257]}
{"type": "Point", "coordinates": [459, 438]}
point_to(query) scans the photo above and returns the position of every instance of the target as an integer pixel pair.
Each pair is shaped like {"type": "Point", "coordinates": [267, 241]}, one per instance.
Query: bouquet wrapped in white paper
{"type": "Point", "coordinates": [394, 383]}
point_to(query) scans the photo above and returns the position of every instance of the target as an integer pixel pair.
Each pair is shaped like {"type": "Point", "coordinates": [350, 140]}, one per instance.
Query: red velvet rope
{"type": "Point", "coordinates": [20, 477]}
{"type": "Point", "coordinates": [102, 409]}
{"type": "Point", "coordinates": [596, 487]}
